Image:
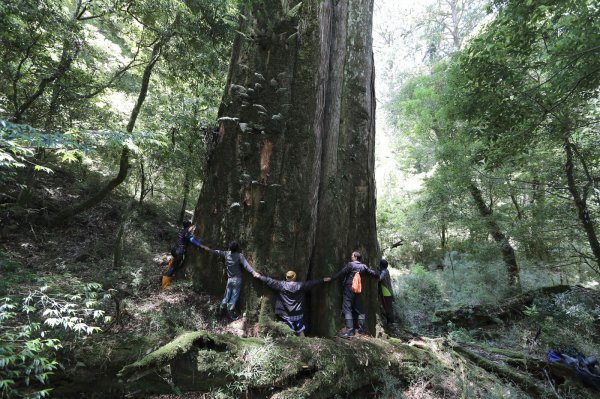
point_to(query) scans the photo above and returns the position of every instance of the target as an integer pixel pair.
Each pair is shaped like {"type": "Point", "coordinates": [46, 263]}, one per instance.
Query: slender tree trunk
{"type": "Point", "coordinates": [581, 204]}
{"type": "Point", "coordinates": [70, 51]}
{"type": "Point", "coordinates": [118, 247]}
{"type": "Point", "coordinates": [538, 200]}
{"type": "Point", "coordinates": [142, 182]}
{"type": "Point", "coordinates": [186, 193]}
{"type": "Point", "coordinates": [443, 237]}
{"type": "Point", "coordinates": [30, 174]}
{"type": "Point", "coordinates": [513, 198]}
{"type": "Point", "coordinates": [292, 172]}
{"type": "Point", "coordinates": [508, 252]}
{"type": "Point", "coordinates": [124, 160]}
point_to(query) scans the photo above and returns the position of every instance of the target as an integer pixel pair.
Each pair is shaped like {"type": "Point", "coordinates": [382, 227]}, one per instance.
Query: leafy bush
{"type": "Point", "coordinates": [420, 295]}
{"type": "Point", "coordinates": [18, 144]}
{"type": "Point", "coordinates": [466, 281]}
{"type": "Point", "coordinates": [567, 321]}
{"type": "Point", "coordinates": [33, 328]}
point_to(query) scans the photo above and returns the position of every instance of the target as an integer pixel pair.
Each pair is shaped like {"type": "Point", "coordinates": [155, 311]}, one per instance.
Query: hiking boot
{"type": "Point", "coordinates": [349, 329]}
{"type": "Point", "coordinates": [233, 315]}
{"type": "Point", "coordinates": [361, 327]}
{"type": "Point", "coordinates": [348, 333]}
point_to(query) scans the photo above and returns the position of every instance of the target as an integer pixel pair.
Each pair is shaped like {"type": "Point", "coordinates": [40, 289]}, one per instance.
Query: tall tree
{"type": "Point", "coordinates": [166, 29]}
{"type": "Point", "coordinates": [426, 106]}
{"type": "Point", "coordinates": [531, 82]}
{"type": "Point", "coordinates": [291, 174]}
{"type": "Point", "coordinates": [125, 152]}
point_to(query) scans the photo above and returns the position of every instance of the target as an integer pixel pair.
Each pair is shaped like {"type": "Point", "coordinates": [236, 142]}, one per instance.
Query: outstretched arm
{"type": "Point", "coordinates": [220, 254]}
{"type": "Point", "coordinates": [371, 272]}
{"type": "Point", "coordinates": [246, 265]}
{"type": "Point", "coordinates": [271, 283]}
{"type": "Point", "coordinates": [195, 241]}
{"type": "Point", "coordinates": [307, 285]}
{"type": "Point", "coordinates": [342, 272]}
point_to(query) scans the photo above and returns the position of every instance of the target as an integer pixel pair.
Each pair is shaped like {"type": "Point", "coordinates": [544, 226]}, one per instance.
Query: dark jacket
{"type": "Point", "coordinates": [234, 261]}
{"type": "Point", "coordinates": [290, 300]}
{"type": "Point", "coordinates": [181, 242]}
{"type": "Point", "coordinates": [350, 269]}
{"type": "Point", "coordinates": [386, 280]}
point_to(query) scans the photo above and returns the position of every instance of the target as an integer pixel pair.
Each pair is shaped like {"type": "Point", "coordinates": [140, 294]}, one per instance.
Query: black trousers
{"type": "Point", "coordinates": [178, 255]}
{"type": "Point", "coordinates": [351, 302]}
{"type": "Point", "coordinates": [388, 310]}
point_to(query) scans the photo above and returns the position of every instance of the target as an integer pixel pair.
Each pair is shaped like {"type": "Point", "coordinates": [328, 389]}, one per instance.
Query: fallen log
{"type": "Point", "coordinates": [536, 376]}
{"type": "Point", "coordinates": [478, 316]}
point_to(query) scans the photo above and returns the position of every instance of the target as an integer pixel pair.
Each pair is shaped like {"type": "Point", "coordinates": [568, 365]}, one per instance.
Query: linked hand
{"type": "Point", "coordinates": [327, 279]}
{"type": "Point", "coordinates": [256, 274]}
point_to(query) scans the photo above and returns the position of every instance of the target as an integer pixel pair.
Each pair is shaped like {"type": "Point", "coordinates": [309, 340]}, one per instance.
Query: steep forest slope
{"type": "Point", "coordinates": [465, 355]}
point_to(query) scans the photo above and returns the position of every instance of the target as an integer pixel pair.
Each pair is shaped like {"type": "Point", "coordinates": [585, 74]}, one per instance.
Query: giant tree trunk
{"type": "Point", "coordinates": [291, 174]}
{"type": "Point", "coordinates": [508, 252]}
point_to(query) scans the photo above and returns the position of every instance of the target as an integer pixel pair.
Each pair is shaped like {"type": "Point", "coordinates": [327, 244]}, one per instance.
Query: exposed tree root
{"type": "Point", "coordinates": [280, 368]}
{"type": "Point", "coordinates": [289, 367]}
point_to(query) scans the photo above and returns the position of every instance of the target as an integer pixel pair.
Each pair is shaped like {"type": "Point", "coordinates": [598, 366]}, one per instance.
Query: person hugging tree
{"type": "Point", "coordinates": [351, 295]}
{"type": "Point", "coordinates": [184, 237]}
{"type": "Point", "coordinates": [234, 262]}
{"type": "Point", "coordinates": [289, 305]}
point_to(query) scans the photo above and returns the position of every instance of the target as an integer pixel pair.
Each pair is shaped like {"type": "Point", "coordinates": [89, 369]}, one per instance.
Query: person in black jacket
{"type": "Point", "coordinates": [234, 261]}
{"type": "Point", "coordinates": [289, 305]}
{"type": "Point", "coordinates": [385, 290]}
{"type": "Point", "coordinates": [351, 300]}
{"type": "Point", "coordinates": [184, 237]}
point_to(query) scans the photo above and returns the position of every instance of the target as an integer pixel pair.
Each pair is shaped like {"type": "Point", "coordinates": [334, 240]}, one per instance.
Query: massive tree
{"type": "Point", "coordinates": [291, 169]}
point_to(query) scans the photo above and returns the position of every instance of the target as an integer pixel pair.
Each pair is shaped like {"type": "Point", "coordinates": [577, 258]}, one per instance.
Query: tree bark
{"type": "Point", "coordinates": [508, 252]}
{"type": "Point", "coordinates": [142, 182]}
{"type": "Point", "coordinates": [291, 174]}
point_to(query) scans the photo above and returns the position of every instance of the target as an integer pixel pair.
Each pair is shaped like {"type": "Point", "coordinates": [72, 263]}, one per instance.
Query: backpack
{"type": "Point", "coordinates": [356, 283]}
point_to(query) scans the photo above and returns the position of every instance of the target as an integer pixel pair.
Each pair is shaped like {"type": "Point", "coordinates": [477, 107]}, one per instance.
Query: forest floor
{"type": "Point", "coordinates": [145, 318]}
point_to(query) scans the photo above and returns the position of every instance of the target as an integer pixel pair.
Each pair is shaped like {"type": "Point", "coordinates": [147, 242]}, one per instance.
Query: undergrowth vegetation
{"type": "Point", "coordinates": [37, 320]}
{"type": "Point", "coordinates": [568, 320]}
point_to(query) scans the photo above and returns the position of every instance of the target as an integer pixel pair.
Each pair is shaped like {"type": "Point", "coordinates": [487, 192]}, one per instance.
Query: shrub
{"type": "Point", "coordinates": [32, 329]}
{"type": "Point", "coordinates": [567, 321]}
{"type": "Point", "coordinates": [466, 281]}
{"type": "Point", "coordinates": [419, 295]}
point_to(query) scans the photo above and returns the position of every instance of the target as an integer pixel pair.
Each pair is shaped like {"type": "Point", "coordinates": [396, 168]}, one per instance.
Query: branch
{"type": "Point", "coordinates": [117, 76]}
{"type": "Point", "coordinates": [587, 174]}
